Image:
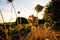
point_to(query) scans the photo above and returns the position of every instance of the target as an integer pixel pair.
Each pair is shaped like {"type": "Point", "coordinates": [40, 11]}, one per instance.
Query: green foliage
{"type": "Point", "coordinates": [48, 13]}
{"type": "Point", "coordinates": [52, 14]}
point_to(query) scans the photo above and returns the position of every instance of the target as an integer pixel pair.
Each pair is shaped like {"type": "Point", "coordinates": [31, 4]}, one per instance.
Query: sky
{"type": "Point", "coordinates": [26, 8]}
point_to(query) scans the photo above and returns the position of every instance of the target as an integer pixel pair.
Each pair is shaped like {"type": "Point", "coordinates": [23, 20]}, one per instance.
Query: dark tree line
{"type": "Point", "coordinates": [56, 9]}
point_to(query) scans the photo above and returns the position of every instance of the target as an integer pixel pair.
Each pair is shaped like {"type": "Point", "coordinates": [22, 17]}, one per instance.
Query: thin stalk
{"type": "Point", "coordinates": [10, 24]}
{"type": "Point", "coordinates": [15, 12]}
{"type": "Point", "coordinates": [11, 18]}
{"type": "Point", "coordinates": [20, 21]}
{"type": "Point", "coordinates": [37, 17]}
{"type": "Point", "coordinates": [4, 25]}
{"type": "Point", "coordinates": [2, 17]}
{"type": "Point", "coordinates": [38, 26]}
{"type": "Point", "coordinates": [16, 18]}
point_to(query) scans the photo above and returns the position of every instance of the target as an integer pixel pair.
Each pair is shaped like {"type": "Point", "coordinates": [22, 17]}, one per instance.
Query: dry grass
{"type": "Point", "coordinates": [36, 33]}
{"type": "Point", "coordinates": [43, 34]}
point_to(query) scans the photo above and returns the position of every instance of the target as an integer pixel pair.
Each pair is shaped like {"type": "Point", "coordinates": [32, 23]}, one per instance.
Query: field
{"type": "Point", "coordinates": [29, 32]}
{"type": "Point", "coordinates": [28, 25]}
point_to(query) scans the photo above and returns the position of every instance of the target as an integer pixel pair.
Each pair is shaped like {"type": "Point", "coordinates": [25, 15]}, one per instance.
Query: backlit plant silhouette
{"type": "Point", "coordinates": [11, 1]}
{"type": "Point", "coordinates": [2, 16]}
{"type": "Point", "coordinates": [38, 8]}
{"type": "Point", "coordinates": [5, 29]}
